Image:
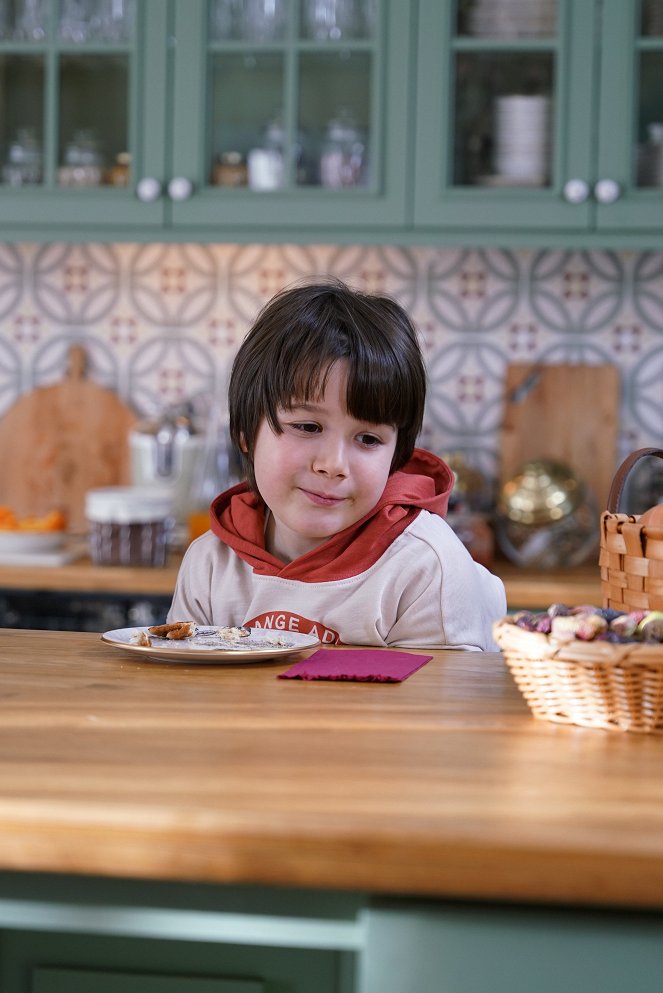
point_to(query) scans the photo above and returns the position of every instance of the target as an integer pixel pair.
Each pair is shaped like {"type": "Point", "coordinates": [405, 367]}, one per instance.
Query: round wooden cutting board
{"type": "Point", "coordinates": [59, 441]}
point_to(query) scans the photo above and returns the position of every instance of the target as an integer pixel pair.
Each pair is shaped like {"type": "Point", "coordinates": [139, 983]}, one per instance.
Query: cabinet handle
{"type": "Point", "coordinates": [148, 189]}
{"type": "Point", "coordinates": [607, 191]}
{"type": "Point", "coordinates": [180, 188]}
{"type": "Point", "coordinates": [576, 191]}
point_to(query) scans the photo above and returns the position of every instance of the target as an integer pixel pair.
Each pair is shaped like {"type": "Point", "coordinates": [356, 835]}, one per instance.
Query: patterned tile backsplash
{"type": "Point", "coordinates": [161, 323]}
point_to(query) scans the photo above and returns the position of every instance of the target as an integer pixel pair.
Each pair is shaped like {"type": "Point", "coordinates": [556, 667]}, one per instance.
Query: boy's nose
{"type": "Point", "coordinates": [330, 458]}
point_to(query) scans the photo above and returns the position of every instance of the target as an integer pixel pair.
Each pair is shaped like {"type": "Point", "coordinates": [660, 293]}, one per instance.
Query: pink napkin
{"type": "Point", "coordinates": [363, 665]}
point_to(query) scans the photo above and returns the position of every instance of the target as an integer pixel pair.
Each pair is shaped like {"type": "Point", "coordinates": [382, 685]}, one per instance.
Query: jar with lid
{"type": "Point", "coordinates": [24, 162]}
{"type": "Point", "coordinates": [119, 173]}
{"type": "Point", "coordinates": [230, 170]}
{"type": "Point", "coordinates": [265, 164]}
{"type": "Point", "coordinates": [129, 525]}
{"type": "Point", "coordinates": [82, 162]}
{"type": "Point", "coordinates": [343, 151]}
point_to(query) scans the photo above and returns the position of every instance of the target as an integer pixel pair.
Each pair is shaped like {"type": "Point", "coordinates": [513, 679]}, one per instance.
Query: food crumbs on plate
{"type": "Point", "coordinates": [225, 638]}
{"type": "Point", "coordinates": [141, 638]}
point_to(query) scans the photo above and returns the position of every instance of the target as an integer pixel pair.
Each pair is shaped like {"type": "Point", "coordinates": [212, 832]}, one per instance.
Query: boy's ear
{"type": "Point", "coordinates": [243, 447]}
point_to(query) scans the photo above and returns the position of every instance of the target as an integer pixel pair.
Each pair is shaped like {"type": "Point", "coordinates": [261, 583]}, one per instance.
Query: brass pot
{"type": "Point", "coordinates": [542, 492]}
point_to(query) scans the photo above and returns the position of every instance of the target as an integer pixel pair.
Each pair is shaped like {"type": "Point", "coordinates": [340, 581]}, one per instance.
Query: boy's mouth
{"type": "Point", "coordinates": [322, 499]}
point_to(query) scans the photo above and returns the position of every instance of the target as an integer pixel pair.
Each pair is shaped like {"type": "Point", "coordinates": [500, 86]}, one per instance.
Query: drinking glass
{"type": "Point", "coordinates": [29, 20]}
{"type": "Point", "coordinates": [262, 20]}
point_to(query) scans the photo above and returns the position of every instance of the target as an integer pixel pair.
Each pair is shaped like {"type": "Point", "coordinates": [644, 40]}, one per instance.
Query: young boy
{"type": "Point", "coordinates": [339, 529]}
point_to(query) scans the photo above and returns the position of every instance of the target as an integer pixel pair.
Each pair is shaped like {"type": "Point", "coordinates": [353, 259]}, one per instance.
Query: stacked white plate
{"type": "Point", "coordinates": [522, 138]}
{"type": "Point", "coordinates": [513, 18]}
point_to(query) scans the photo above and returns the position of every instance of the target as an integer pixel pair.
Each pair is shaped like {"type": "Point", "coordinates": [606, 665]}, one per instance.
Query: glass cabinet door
{"type": "Point", "coordinates": [503, 107]}
{"type": "Point", "coordinates": [292, 113]}
{"type": "Point", "coordinates": [629, 174]}
{"type": "Point", "coordinates": [71, 92]}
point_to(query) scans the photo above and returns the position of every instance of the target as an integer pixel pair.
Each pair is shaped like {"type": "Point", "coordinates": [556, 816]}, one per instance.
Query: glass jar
{"type": "Point", "coordinates": [82, 162]}
{"type": "Point", "coordinates": [24, 160]}
{"type": "Point", "coordinates": [342, 156]}
{"type": "Point", "coordinates": [230, 169]}
{"type": "Point", "coordinates": [119, 173]}
{"type": "Point", "coordinates": [129, 525]}
{"type": "Point", "coordinates": [265, 164]}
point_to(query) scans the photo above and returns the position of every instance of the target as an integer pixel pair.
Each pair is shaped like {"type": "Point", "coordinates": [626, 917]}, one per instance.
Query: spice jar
{"type": "Point", "coordinates": [118, 174]}
{"type": "Point", "coordinates": [230, 170]}
{"type": "Point", "coordinates": [129, 525]}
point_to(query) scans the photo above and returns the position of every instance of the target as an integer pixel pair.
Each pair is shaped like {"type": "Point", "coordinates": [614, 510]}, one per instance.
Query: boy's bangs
{"type": "Point", "coordinates": [376, 397]}
{"type": "Point", "coordinates": [373, 395]}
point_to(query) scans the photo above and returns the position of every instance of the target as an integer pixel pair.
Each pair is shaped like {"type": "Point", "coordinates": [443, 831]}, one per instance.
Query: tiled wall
{"type": "Point", "coordinates": [161, 323]}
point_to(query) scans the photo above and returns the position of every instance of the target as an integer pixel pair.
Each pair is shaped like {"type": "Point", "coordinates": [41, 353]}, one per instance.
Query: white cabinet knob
{"type": "Point", "coordinates": [180, 188]}
{"type": "Point", "coordinates": [148, 189]}
{"type": "Point", "coordinates": [607, 191]}
{"type": "Point", "coordinates": [576, 191]}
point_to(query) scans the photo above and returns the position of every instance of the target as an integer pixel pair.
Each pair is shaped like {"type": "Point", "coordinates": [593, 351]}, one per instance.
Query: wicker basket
{"type": "Point", "coordinates": [594, 684]}
{"type": "Point", "coordinates": [631, 555]}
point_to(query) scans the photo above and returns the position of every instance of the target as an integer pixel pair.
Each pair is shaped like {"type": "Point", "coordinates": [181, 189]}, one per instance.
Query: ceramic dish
{"type": "Point", "coordinates": [12, 542]}
{"type": "Point", "coordinates": [259, 645]}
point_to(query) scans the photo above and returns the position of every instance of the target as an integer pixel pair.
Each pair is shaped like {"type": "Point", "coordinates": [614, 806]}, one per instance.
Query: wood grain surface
{"type": "Point", "coordinates": [564, 412]}
{"type": "Point", "coordinates": [527, 588]}
{"type": "Point", "coordinates": [59, 441]}
{"type": "Point", "coordinates": [442, 785]}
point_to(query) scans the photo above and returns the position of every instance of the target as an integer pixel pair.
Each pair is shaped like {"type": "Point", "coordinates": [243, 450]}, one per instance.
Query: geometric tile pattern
{"type": "Point", "coordinates": [161, 323]}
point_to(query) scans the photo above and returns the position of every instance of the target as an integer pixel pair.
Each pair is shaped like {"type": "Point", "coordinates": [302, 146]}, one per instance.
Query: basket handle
{"type": "Point", "coordinates": [621, 475]}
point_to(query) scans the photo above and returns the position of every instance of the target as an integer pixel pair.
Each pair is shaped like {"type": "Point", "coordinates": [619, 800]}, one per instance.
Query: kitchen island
{"type": "Point", "coordinates": [246, 833]}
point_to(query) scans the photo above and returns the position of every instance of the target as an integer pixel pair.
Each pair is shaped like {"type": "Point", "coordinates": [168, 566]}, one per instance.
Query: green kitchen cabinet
{"type": "Point", "coordinates": [75, 98]}
{"type": "Point", "coordinates": [422, 121]}
{"type": "Point", "coordinates": [63, 934]}
{"type": "Point", "coordinates": [541, 119]}
{"type": "Point", "coordinates": [178, 97]}
{"type": "Point", "coordinates": [310, 102]}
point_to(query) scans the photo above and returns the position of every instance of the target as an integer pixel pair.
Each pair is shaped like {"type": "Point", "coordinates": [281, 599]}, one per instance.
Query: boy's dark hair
{"type": "Point", "coordinates": [295, 339]}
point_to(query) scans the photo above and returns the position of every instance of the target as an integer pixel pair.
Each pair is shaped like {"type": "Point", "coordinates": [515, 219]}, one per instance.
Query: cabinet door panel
{"type": "Point", "coordinates": [242, 97]}
{"type": "Point", "coordinates": [502, 117]}
{"type": "Point", "coordinates": [631, 115]}
{"type": "Point", "coordinates": [84, 981]}
{"type": "Point", "coordinates": [84, 107]}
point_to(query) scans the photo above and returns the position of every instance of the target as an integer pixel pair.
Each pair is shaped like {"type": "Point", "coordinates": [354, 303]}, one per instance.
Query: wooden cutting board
{"type": "Point", "coordinates": [59, 441]}
{"type": "Point", "coordinates": [564, 412]}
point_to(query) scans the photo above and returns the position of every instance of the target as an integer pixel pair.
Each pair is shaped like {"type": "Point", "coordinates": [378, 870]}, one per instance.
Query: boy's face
{"type": "Point", "coordinates": [323, 473]}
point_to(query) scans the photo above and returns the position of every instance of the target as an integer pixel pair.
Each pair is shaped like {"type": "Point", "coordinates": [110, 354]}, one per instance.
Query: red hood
{"type": "Point", "coordinates": [237, 517]}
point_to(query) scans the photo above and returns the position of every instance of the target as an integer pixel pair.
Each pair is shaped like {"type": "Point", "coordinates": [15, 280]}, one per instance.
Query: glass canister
{"type": "Point", "coordinates": [129, 525]}
{"type": "Point", "coordinates": [24, 161]}
{"type": "Point", "coordinates": [82, 161]}
{"type": "Point", "coordinates": [266, 163]}
{"type": "Point", "coordinates": [342, 156]}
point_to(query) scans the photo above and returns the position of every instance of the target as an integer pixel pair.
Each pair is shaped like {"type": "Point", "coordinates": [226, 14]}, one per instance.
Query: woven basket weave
{"type": "Point", "coordinates": [594, 684]}
{"type": "Point", "coordinates": [631, 554]}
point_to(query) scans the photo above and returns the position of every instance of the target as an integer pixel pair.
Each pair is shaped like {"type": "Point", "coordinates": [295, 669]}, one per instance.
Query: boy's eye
{"type": "Point", "coordinates": [369, 440]}
{"type": "Point", "coordinates": [307, 427]}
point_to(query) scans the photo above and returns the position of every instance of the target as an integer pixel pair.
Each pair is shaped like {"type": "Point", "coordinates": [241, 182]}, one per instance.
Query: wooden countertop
{"type": "Point", "coordinates": [442, 785]}
{"type": "Point", "coordinates": [524, 588]}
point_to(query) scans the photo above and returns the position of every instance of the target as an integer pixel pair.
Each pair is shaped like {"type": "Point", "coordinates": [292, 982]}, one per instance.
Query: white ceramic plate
{"type": "Point", "coordinates": [259, 645]}
{"type": "Point", "coordinates": [30, 541]}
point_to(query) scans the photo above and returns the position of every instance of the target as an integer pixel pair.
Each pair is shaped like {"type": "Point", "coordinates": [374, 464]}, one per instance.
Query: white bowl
{"type": "Point", "coordinates": [30, 541]}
